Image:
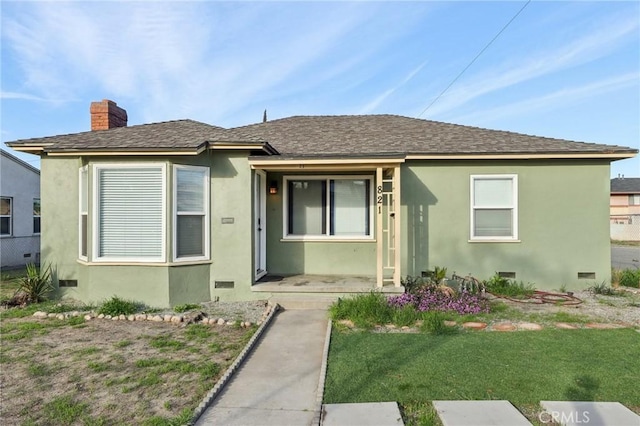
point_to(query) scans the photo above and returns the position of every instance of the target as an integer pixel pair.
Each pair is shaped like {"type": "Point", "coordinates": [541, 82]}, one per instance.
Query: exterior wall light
{"type": "Point", "coordinates": [273, 187]}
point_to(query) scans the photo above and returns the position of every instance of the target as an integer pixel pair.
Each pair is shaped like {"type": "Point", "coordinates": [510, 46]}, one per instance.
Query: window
{"type": "Point", "coordinates": [36, 215]}
{"type": "Point", "coordinates": [129, 221]}
{"type": "Point", "coordinates": [191, 219]}
{"type": "Point", "coordinates": [334, 207]}
{"type": "Point", "coordinates": [84, 212]}
{"type": "Point", "coordinates": [5, 215]}
{"type": "Point", "coordinates": [634, 200]}
{"type": "Point", "coordinates": [494, 201]}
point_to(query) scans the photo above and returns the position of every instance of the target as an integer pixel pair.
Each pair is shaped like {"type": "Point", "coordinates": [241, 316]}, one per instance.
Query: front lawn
{"type": "Point", "coordinates": [522, 367]}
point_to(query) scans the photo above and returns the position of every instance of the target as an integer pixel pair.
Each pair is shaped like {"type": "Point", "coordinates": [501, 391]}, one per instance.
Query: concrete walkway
{"type": "Point", "coordinates": [277, 383]}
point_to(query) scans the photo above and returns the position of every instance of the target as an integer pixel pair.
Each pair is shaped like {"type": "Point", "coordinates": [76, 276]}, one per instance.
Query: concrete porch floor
{"type": "Point", "coordinates": [327, 284]}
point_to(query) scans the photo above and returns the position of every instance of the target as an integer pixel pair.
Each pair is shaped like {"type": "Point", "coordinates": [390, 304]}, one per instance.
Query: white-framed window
{"type": "Point", "coordinates": [83, 203]}
{"type": "Point", "coordinates": [6, 216]}
{"type": "Point", "coordinates": [36, 216]}
{"type": "Point", "coordinates": [191, 213]}
{"type": "Point", "coordinates": [494, 207]}
{"type": "Point", "coordinates": [634, 199]}
{"type": "Point", "coordinates": [129, 218]}
{"type": "Point", "coordinates": [331, 207]}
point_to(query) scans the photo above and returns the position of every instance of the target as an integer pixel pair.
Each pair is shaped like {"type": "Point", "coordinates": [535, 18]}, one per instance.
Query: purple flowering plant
{"type": "Point", "coordinates": [430, 298]}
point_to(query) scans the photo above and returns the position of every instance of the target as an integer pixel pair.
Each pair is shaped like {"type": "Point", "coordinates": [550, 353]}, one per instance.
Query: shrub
{"type": "Point", "coordinates": [603, 289]}
{"type": "Point", "coordinates": [116, 306]}
{"type": "Point", "coordinates": [412, 284]}
{"type": "Point", "coordinates": [36, 284]}
{"type": "Point", "coordinates": [186, 307]}
{"type": "Point", "coordinates": [630, 278]}
{"type": "Point", "coordinates": [505, 287]}
{"type": "Point", "coordinates": [365, 310]}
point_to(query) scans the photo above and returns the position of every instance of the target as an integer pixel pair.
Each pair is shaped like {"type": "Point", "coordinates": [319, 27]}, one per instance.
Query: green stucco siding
{"type": "Point", "coordinates": [563, 213]}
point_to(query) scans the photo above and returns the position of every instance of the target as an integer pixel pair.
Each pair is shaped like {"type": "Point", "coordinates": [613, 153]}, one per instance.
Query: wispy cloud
{"type": "Point", "coordinates": [378, 100]}
{"type": "Point", "coordinates": [531, 65]}
{"type": "Point", "coordinates": [555, 100]}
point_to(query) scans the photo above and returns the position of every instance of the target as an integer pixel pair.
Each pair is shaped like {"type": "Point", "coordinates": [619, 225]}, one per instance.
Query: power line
{"type": "Point", "coordinates": [474, 59]}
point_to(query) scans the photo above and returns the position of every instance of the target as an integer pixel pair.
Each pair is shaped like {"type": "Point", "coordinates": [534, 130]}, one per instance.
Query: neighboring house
{"type": "Point", "coordinates": [183, 211]}
{"type": "Point", "coordinates": [19, 212]}
{"type": "Point", "coordinates": [625, 209]}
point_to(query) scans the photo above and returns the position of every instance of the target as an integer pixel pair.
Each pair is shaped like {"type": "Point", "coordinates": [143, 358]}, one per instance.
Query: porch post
{"type": "Point", "coordinates": [379, 234]}
{"type": "Point", "coordinates": [397, 225]}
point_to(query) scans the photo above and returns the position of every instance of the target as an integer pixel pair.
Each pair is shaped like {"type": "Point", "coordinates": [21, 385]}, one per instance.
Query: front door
{"type": "Point", "coordinates": [260, 229]}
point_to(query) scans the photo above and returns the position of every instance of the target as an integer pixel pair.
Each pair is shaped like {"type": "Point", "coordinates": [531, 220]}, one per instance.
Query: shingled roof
{"type": "Point", "coordinates": [179, 135]}
{"type": "Point", "coordinates": [323, 136]}
{"type": "Point", "coordinates": [392, 134]}
{"type": "Point", "coordinates": [625, 185]}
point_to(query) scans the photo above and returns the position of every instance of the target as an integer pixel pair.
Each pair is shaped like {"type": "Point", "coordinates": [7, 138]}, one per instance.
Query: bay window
{"type": "Point", "coordinates": [328, 207]}
{"type": "Point", "coordinates": [191, 221]}
{"type": "Point", "coordinates": [129, 212]}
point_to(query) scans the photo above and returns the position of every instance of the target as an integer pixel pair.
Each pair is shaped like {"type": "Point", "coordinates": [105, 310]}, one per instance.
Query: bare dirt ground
{"type": "Point", "coordinates": [103, 372]}
{"type": "Point", "coordinates": [622, 308]}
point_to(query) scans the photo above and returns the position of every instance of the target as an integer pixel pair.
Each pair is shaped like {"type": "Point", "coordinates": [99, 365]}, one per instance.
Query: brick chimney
{"type": "Point", "coordinates": [107, 115]}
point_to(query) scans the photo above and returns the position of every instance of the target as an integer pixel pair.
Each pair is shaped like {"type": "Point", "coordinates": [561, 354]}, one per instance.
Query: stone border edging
{"type": "Point", "coordinates": [220, 384]}
{"type": "Point", "coordinates": [317, 416]}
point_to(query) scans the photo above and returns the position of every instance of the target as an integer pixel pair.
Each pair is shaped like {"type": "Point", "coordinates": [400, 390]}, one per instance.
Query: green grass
{"type": "Point", "coordinates": [523, 367]}
{"type": "Point", "coordinates": [64, 410]}
{"type": "Point", "coordinates": [117, 306]}
{"type": "Point", "coordinates": [625, 243]}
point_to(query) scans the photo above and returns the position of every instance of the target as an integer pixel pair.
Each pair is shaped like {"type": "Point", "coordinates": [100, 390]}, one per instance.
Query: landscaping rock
{"type": "Point", "coordinates": [122, 317]}
{"type": "Point", "coordinates": [602, 326]}
{"type": "Point", "coordinates": [449, 323]}
{"type": "Point", "coordinates": [475, 325]}
{"type": "Point", "coordinates": [156, 318]}
{"type": "Point", "coordinates": [60, 316]}
{"type": "Point", "coordinates": [176, 319]}
{"type": "Point", "coordinates": [346, 323]}
{"type": "Point", "coordinates": [566, 326]}
{"type": "Point", "coordinates": [505, 326]}
{"type": "Point", "coordinates": [75, 314]}
{"type": "Point", "coordinates": [40, 314]}
{"type": "Point", "coordinates": [101, 316]}
{"type": "Point", "coordinates": [220, 321]}
{"type": "Point", "coordinates": [141, 317]}
{"type": "Point", "coordinates": [88, 317]}
{"type": "Point", "coordinates": [531, 326]}
{"type": "Point", "coordinates": [51, 315]}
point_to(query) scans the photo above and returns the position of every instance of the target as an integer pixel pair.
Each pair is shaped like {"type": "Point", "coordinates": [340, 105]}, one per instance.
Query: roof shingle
{"type": "Point", "coordinates": [625, 185]}
{"type": "Point", "coordinates": [392, 134]}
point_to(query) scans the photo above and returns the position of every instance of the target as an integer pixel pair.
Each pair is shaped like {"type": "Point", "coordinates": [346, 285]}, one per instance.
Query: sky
{"type": "Point", "coordinates": [567, 70]}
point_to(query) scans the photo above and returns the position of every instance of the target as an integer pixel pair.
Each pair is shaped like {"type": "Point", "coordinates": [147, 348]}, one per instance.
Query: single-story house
{"type": "Point", "coordinates": [183, 211]}
{"type": "Point", "coordinates": [625, 208]}
{"type": "Point", "coordinates": [19, 212]}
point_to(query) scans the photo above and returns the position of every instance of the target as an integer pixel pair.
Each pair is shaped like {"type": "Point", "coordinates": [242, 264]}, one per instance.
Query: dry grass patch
{"type": "Point", "coordinates": [103, 372]}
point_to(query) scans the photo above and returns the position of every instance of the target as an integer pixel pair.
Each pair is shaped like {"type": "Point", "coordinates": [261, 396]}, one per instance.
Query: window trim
{"type": "Point", "coordinates": [37, 216]}
{"type": "Point", "coordinates": [205, 214]}
{"type": "Point", "coordinates": [10, 216]}
{"type": "Point", "coordinates": [84, 169]}
{"type": "Point", "coordinates": [95, 205]}
{"type": "Point", "coordinates": [513, 208]}
{"type": "Point", "coordinates": [326, 237]}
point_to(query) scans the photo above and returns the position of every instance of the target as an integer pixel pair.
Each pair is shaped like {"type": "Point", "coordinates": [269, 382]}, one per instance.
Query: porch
{"type": "Point", "coordinates": [317, 291]}
{"type": "Point", "coordinates": [325, 284]}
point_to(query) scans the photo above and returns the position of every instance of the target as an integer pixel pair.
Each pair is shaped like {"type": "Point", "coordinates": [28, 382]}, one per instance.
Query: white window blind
{"type": "Point", "coordinates": [84, 212]}
{"type": "Point", "coordinates": [494, 207]}
{"type": "Point", "coordinates": [130, 213]}
{"type": "Point", "coordinates": [191, 219]}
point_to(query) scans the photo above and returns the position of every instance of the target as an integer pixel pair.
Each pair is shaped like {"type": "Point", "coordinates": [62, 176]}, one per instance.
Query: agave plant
{"type": "Point", "coordinates": [36, 284]}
